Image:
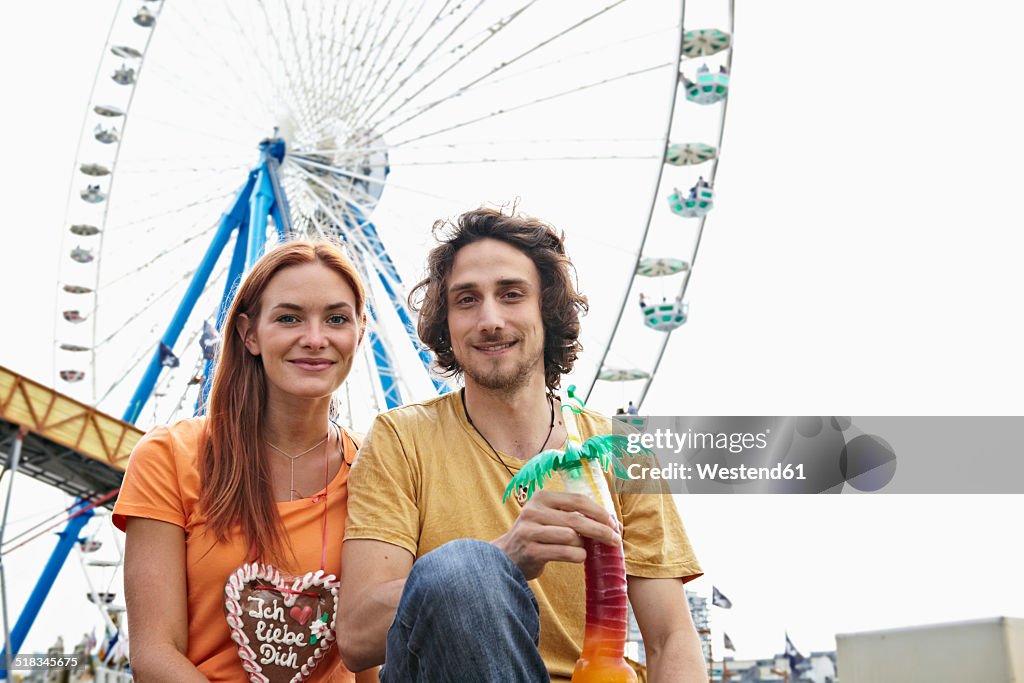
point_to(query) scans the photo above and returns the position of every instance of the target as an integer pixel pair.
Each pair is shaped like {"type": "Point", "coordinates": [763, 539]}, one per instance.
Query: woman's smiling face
{"type": "Point", "coordinates": [307, 332]}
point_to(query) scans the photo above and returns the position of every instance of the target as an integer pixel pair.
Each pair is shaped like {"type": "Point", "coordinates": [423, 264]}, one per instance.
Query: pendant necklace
{"type": "Point", "coordinates": [520, 493]}
{"type": "Point", "coordinates": [293, 458]}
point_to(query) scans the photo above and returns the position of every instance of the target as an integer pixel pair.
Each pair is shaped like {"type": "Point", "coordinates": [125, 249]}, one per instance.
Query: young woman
{"type": "Point", "coordinates": [262, 478]}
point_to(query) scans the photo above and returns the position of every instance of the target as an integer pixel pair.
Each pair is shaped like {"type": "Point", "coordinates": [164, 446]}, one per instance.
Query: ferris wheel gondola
{"type": "Point", "coordinates": [408, 112]}
{"type": "Point", "coordinates": [661, 266]}
{"type": "Point", "coordinates": [689, 154]}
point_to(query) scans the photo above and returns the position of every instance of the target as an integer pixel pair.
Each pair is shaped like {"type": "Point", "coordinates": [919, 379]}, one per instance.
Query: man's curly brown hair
{"type": "Point", "coordinates": [561, 304]}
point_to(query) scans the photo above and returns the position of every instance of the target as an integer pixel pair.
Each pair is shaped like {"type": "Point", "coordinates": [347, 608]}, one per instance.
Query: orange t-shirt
{"type": "Point", "coordinates": [162, 483]}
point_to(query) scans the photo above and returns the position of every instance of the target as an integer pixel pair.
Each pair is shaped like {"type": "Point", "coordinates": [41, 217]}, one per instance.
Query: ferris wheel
{"type": "Point", "coordinates": [216, 128]}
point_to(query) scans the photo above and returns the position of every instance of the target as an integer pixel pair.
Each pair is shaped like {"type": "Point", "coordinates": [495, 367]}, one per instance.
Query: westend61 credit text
{"type": "Point", "coordinates": [670, 441]}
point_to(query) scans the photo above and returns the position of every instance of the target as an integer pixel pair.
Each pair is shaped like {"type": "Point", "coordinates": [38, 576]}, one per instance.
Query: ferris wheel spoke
{"type": "Point", "coordinates": [506, 160]}
{"type": "Point", "coordinates": [507, 110]}
{"type": "Point", "coordinates": [438, 155]}
{"type": "Point", "coordinates": [287, 93]}
{"type": "Point", "coordinates": [333, 190]}
{"type": "Point", "coordinates": [601, 49]}
{"type": "Point", "coordinates": [132, 317]}
{"type": "Point", "coordinates": [455, 202]}
{"type": "Point", "coordinates": [316, 70]}
{"type": "Point", "coordinates": [242, 143]}
{"type": "Point", "coordinates": [128, 168]}
{"type": "Point", "coordinates": [367, 80]}
{"type": "Point", "coordinates": [186, 161]}
{"type": "Point", "coordinates": [145, 350]}
{"type": "Point", "coordinates": [380, 124]}
{"type": "Point", "coordinates": [341, 68]}
{"type": "Point", "coordinates": [216, 101]}
{"type": "Point", "coordinates": [214, 105]}
{"type": "Point", "coordinates": [458, 50]}
{"type": "Point", "coordinates": [177, 245]}
{"type": "Point", "coordinates": [374, 99]}
{"type": "Point", "coordinates": [294, 73]}
{"type": "Point", "coordinates": [460, 53]}
{"type": "Point", "coordinates": [340, 171]}
{"type": "Point", "coordinates": [361, 198]}
{"type": "Point", "coordinates": [150, 218]}
{"type": "Point", "coordinates": [344, 86]}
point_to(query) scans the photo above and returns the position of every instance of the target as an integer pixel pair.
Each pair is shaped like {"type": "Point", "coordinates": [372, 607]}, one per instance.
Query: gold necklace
{"type": "Point", "coordinates": [520, 490]}
{"type": "Point", "coordinates": [293, 458]}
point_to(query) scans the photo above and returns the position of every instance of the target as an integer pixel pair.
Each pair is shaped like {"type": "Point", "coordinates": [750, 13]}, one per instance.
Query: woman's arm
{"type": "Point", "coordinates": [155, 590]}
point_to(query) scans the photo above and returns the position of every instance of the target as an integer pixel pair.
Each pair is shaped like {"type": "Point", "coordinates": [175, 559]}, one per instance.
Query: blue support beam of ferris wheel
{"type": "Point", "coordinates": [268, 200]}
{"type": "Point", "coordinates": [260, 203]}
{"type": "Point", "coordinates": [80, 516]}
{"type": "Point", "coordinates": [410, 330]}
{"type": "Point", "coordinates": [280, 211]}
{"type": "Point", "coordinates": [228, 222]}
{"type": "Point", "coordinates": [382, 361]}
{"type": "Point", "coordinates": [388, 273]}
{"type": "Point", "coordinates": [235, 272]}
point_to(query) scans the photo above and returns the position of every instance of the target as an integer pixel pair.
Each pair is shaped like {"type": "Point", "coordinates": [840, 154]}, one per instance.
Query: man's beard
{"type": "Point", "coordinates": [508, 381]}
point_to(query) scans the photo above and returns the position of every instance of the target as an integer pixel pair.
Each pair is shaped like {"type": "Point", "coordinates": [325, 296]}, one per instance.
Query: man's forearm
{"type": "Point", "coordinates": [362, 635]}
{"type": "Point", "coordinates": [678, 658]}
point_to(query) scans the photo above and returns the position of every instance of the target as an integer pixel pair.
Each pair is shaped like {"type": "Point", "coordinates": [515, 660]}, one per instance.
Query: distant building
{"type": "Point", "coordinates": [699, 612]}
{"type": "Point", "coordinates": [980, 650]}
{"type": "Point", "coordinates": [817, 667]}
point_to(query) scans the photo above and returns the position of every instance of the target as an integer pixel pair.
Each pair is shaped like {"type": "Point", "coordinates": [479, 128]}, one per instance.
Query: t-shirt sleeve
{"type": "Point", "coordinates": [382, 503]}
{"type": "Point", "coordinates": [654, 540]}
{"type": "Point", "coordinates": [151, 487]}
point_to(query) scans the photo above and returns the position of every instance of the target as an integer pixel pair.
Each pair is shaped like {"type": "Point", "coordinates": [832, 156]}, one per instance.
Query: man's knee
{"type": "Point", "coordinates": [467, 576]}
{"type": "Point", "coordinates": [462, 566]}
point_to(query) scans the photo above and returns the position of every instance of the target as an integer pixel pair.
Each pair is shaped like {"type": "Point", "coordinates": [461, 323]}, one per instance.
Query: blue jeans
{"type": "Point", "coordinates": [466, 616]}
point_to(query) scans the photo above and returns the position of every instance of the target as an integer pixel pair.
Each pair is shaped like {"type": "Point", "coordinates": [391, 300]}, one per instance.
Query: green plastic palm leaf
{"type": "Point", "coordinates": [608, 450]}
{"type": "Point", "coordinates": [532, 475]}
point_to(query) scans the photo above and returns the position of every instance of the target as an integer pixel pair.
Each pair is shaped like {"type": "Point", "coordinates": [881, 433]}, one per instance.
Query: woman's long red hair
{"type": "Point", "coordinates": [235, 492]}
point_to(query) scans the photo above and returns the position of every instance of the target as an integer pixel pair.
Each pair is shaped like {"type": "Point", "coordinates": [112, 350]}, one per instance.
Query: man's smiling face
{"type": "Point", "coordinates": [494, 318]}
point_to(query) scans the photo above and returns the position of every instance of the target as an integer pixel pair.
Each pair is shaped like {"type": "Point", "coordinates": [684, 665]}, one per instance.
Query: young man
{"type": "Point", "coordinates": [441, 581]}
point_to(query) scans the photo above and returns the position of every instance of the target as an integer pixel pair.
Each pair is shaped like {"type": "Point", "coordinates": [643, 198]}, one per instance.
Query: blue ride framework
{"type": "Point", "coordinates": [262, 197]}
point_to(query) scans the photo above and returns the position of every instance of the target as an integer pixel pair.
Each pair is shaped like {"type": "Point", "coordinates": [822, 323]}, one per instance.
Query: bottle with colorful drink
{"type": "Point", "coordinates": [581, 468]}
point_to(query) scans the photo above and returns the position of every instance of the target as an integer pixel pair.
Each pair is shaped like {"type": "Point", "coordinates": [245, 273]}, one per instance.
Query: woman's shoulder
{"type": "Point", "coordinates": [177, 441]}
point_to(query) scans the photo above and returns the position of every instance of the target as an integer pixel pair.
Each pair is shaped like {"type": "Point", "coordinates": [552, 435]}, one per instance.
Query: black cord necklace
{"type": "Point", "coordinates": [521, 490]}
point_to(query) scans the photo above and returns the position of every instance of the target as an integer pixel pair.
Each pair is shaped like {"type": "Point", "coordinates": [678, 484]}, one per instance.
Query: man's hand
{"type": "Point", "coordinates": [551, 528]}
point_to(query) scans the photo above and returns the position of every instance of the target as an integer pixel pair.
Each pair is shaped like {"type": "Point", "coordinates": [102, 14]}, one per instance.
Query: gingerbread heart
{"type": "Point", "coordinates": [283, 626]}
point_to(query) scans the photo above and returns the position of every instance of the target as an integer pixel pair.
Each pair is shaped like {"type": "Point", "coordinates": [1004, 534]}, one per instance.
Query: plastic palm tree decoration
{"type": "Point", "coordinates": [581, 467]}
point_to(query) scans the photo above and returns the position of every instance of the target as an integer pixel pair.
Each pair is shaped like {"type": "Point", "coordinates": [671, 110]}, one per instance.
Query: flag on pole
{"type": "Point", "coordinates": [728, 642]}
{"type": "Point", "coordinates": [793, 655]}
{"type": "Point", "coordinates": [719, 600]}
{"type": "Point", "coordinates": [167, 357]}
{"type": "Point", "coordinates": [209, 340]}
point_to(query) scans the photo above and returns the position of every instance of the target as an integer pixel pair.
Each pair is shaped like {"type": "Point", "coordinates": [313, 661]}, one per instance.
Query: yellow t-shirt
{"type": "Point", "coordinates": [162, 483]}
{"type": "Point", "coordinates": [425, 477]}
